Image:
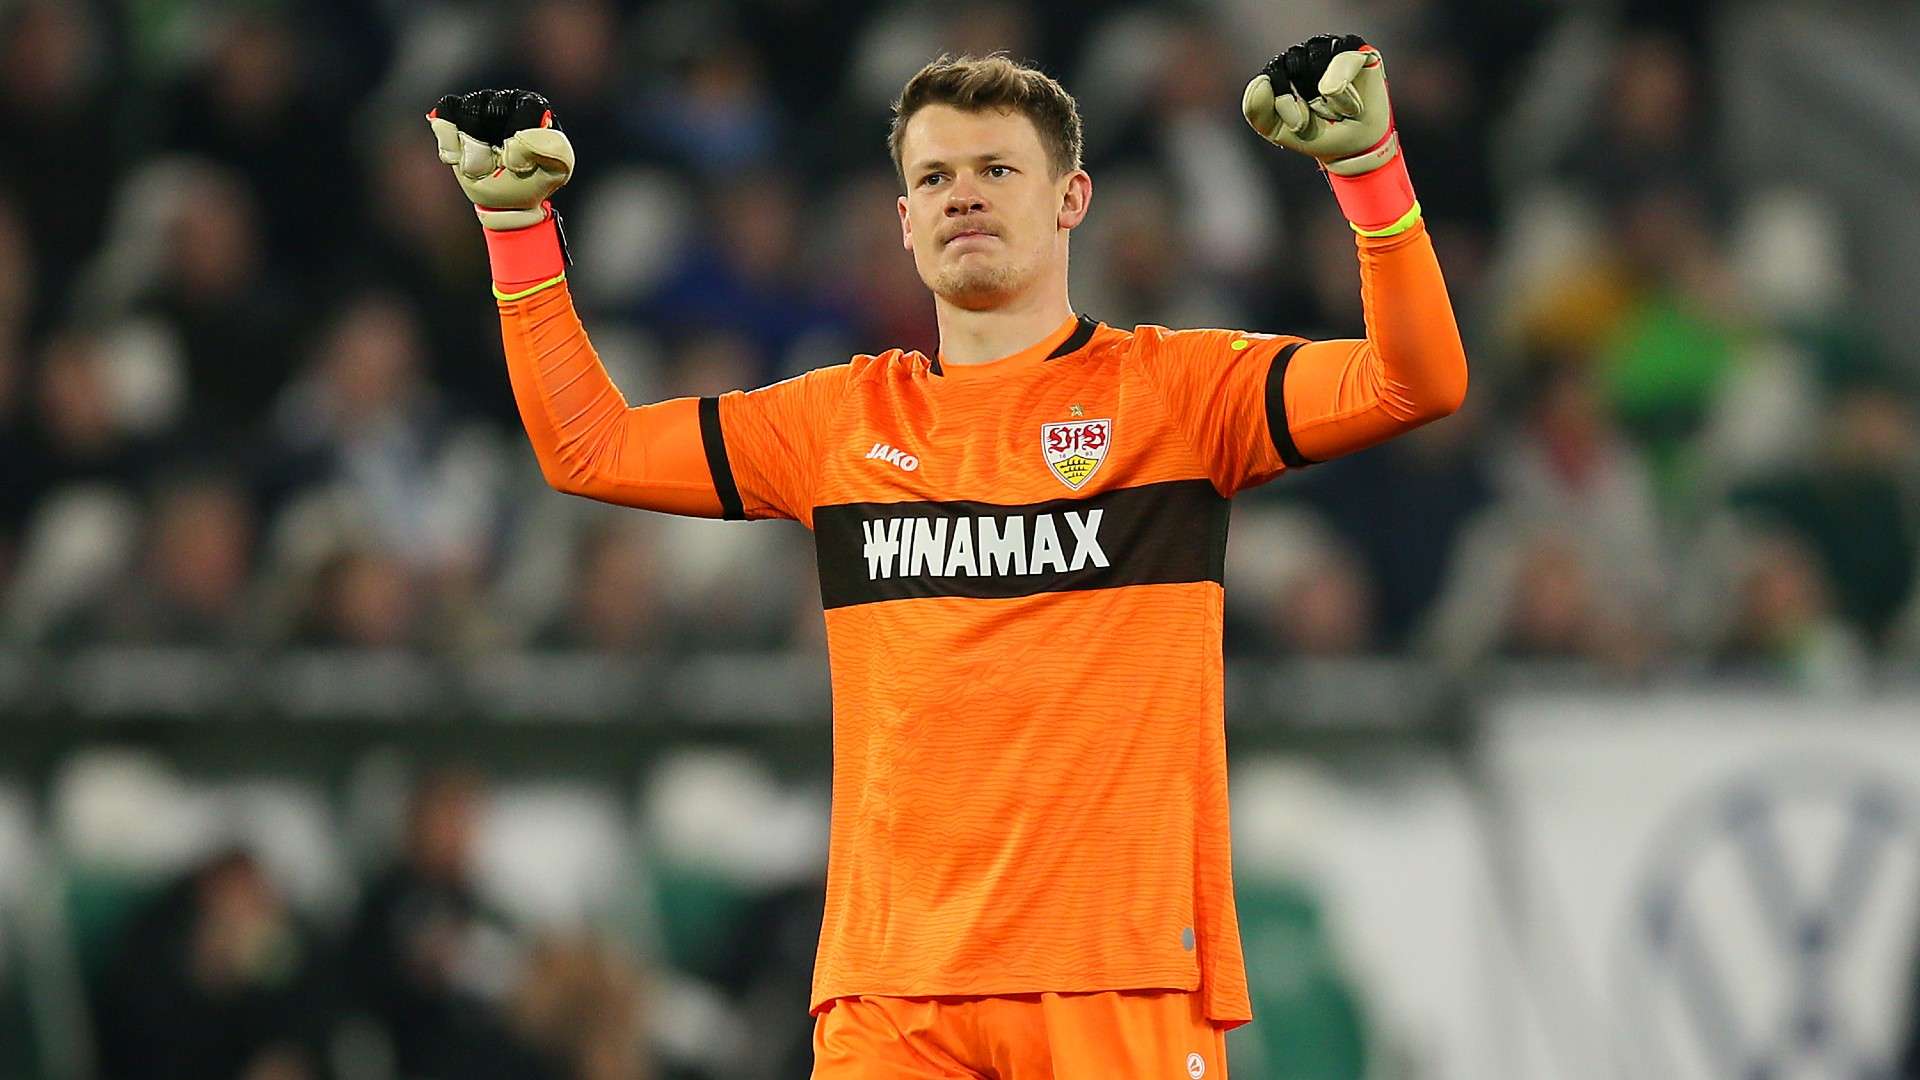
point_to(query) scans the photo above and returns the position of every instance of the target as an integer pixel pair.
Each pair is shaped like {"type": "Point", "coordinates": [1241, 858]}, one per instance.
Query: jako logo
{"type": "Point", "coordinates": [891, 456]}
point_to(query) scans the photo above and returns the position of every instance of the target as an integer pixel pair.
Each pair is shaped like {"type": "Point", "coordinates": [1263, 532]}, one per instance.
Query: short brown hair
{"type": "Point", "coordinates": [995, 81]}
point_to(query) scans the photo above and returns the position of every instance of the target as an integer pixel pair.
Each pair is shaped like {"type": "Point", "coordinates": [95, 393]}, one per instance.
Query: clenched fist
{"type": "Point", "coordinates": [507, 152]}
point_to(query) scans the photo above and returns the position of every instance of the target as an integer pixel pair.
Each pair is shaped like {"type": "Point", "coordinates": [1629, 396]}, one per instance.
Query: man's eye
{"type": "Point", "coordinates": [930, 179]}
{"type": "Point", "coordinates": [999, 170]}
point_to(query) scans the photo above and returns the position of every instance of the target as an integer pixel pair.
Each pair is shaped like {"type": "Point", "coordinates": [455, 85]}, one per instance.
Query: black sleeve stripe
{"type": "Point", "coordinates": [1277, 410]}
{"type": "Point", "coordinates": [717, 463]}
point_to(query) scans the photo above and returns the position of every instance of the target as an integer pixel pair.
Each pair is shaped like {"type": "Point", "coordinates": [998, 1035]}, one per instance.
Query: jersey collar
{"type": "Point", "coordinates": [1069, 337]}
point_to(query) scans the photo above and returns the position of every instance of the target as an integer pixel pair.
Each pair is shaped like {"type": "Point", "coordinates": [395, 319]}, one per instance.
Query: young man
{"type": "Point", "coordinates": [1020, 548]}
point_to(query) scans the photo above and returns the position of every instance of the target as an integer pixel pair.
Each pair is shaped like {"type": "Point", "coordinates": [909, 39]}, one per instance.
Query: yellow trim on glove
{"type": "Point", "coordinates": [1406, 222]}
{"type": "Point", "coordinates": [548, 284]}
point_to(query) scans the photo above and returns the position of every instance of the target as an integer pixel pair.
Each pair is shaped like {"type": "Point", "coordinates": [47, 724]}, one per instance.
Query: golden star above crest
{"type": "Point", "coordinates": [1075, 410]}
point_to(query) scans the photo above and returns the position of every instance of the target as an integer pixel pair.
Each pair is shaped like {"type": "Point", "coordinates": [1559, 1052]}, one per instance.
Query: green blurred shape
{"type": "Point", "coordinates": [699, 912]}
{"type": "Point", "coordinates": [98, 903]}
{"type": "Point", "coordinates": [20, 1056]}
{"type": "Point", "coordinates": [1662, 367]}
{"type": "Point", "coordinates": [1308, 1022]}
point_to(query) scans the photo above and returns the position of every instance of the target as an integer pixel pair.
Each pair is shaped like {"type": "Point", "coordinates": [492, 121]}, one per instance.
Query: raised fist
{"type": "Point", "coordinates": [507, 152]}
{"type": "Point", "coordinates": [1326, 98]}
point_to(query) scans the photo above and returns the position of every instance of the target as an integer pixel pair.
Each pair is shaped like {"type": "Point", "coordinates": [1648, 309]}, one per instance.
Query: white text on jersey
{"type": "Point", "coordinates": [882, 452]}
{"type": "Point", "coordinates": [980, 546]}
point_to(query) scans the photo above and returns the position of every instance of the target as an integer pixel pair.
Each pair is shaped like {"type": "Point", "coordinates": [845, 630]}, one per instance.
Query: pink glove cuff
{"type": "Point", "coordinates": [1377, 199]}
{"type": "Point", "coordinates": [523, 257]}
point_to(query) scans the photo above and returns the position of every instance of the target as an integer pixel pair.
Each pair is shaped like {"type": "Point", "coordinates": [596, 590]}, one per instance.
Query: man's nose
{"type": "Point", "coordinates": [963, 198]}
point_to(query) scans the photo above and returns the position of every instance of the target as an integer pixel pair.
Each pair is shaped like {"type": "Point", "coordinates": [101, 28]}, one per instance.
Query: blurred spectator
{"type": "Point", "coordinates": [1855, 505]}
{"type": "Point", "coordinates": [580, 1004]}
{"type": "Point", "coordinates": [1139, 267]}
{"type": "Point", "coordinates": [1431, 76]}
{"type": "Point", "coordinates": [713, 362]}
{"type": "Point", "coordinates": [713, 116]}
{"type": "Point", "coordinates": [614, 604]}
{"type": "Point", "coordinates": [56, 102]}
{"type": "Point", "coordinates": [421, 242]}
{"type": "Point", "coordinates": [15, 498]}
{"type": "Point", "coordinates": [75, 550]}
{"type": "Point", "coordinates": [19, 290]}
{"type": "Point", "coordinates": [731, 588]}
{"type": "Point", "coordinates": [212, 280]}
{"type": "Point", "coordinates": [1531, 590]}
{"type": "Point", "coordinates": [1571, 465]}
{"type": "Point", "coordinates": [1219, 185]}
{"type": "Point", "coordinates": [197, 566]}
{"type": "Point", "coordinates": [878, 286]}
{"type": "Point", "coordinates": [1784, 626]}
{"type": "Point", "coordinates": [572, 51]}
{"type": "Point", "coordinates": [1567, 564]}
{"type": "Point", "coordinates": [364, 421]}
{"type": "Point", "coordinates": [1555, 613]}
{"type": "Point", "coordinates": [360, 599]}
{"type": "Point", "coordinates": [1655, 299]}
{"type": "Point", "coordinates": [1673, 345]}
{"type": "Point", "coordinates": [1328, 610]}
{"type": "Point", "coordinates": [214, 979]}
{"type": "Point", "coordinates": [1295, 588]}
{"type": "Point", "coordinates": [427, 958]}
{"type": "Point", "coordinates": [1647, 128]}
{"type": "Point", "coordinates": [253, 106]}
{"type": "Point", "coordinates": [79, 435]}
{"type": "Point", "coordinates": [749, 278]}
{"type": "Point", "coordinates": [1401, 508]}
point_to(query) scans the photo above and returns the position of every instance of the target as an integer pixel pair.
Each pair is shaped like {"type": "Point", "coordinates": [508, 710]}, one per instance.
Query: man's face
{"type": "Point", "coordinates": [983, 214]}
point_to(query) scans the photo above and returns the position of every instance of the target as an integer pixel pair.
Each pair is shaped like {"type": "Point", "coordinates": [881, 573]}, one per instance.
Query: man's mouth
{"type": "Point", "coordinates": [964, 233]}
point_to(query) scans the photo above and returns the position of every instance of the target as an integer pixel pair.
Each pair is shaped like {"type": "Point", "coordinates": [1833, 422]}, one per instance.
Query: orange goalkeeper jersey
{"type": "Point", "coordinates": [1021, 569]}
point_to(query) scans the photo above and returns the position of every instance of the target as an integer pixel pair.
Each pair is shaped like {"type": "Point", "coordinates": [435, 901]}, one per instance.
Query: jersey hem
{"type": "Point", "coordinates": [1184, 983]}
{"type": "Point", "coordinates": [1225, 1020]}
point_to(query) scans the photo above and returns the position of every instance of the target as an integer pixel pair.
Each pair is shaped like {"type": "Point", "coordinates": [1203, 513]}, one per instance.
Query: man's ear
{"type": "Point", "coordinates": [906, 226]}
{"type": "Point", "coordinates": [1075, 200]}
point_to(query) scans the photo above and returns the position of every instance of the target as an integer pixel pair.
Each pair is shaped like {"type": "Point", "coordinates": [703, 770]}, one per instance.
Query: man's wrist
{"type": "Point", "coordinates": [528, 256]}
{"type": "Point", "coordinates": [1376, 202]}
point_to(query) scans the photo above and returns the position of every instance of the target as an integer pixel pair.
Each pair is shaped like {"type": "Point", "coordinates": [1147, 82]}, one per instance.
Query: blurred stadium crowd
{"type": "Point", "coordinates": [252, 399]}
{"type": "Point", "coordinates": [431, 924]}
{"type": "Point", "coordinates": [251, 390]}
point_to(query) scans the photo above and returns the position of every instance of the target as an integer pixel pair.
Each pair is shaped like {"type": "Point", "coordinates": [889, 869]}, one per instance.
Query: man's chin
{"type": "Point", "coordinates": [976, 287]}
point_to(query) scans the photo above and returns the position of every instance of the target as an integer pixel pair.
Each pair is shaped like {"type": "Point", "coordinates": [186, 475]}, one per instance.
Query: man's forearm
{"type": "Point", "coordinates": [1327, 98]}
{"type": "Point", "coordinates": [509, 156]}
{"type": "Point", "coordinates": [1346, 395]}
{"type": "Point", "coordinates": [587, 439]}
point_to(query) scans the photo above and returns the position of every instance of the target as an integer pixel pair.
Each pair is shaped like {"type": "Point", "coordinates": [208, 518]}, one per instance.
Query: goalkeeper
{"type": "Point", "coordinates": [1020, 543]}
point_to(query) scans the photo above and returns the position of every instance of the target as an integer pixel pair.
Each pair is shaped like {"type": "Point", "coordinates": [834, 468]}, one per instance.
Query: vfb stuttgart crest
{"type": "Point", "coordinates": [1075, 450]}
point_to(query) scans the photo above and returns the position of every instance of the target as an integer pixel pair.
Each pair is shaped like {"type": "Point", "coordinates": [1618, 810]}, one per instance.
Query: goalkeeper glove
{"type": "Point", "coordinates": [509, 156]}
{"type": "Point", "coordinates": [506, 151]}
{"type": "Point", "coordinates": [1327, 98]}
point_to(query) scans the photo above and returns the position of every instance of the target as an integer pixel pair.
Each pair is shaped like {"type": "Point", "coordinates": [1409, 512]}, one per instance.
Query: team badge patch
{"type": "Point", "coordinates": [1075, 450]}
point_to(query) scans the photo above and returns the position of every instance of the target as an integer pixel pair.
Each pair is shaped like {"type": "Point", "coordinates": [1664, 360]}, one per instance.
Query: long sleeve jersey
{"type": "Point", "coordinates": [1021, 568]}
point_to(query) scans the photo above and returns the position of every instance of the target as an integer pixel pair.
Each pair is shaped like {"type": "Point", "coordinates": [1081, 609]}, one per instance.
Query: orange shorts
{"type": "Point", "coordinates": [1104, 1036]}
